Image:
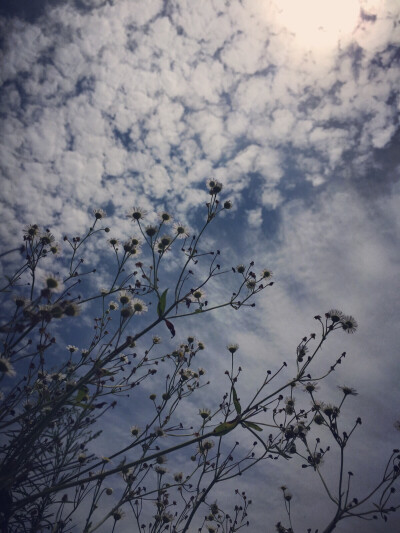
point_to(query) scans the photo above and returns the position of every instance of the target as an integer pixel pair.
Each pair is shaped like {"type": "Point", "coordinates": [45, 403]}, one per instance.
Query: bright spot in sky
{"type": "Point", "coordinates": [318, 24]}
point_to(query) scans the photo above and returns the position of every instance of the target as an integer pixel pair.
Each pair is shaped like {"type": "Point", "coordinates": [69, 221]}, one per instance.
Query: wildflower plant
{"type": "Point", "coordinates": [56, 402]}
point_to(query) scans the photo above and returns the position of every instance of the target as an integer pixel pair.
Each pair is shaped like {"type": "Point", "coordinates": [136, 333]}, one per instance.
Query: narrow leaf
{"type": "Point", "coordinates": [252, 426]}
{"type": "Point", "coordinates": [236, 402]}
{"type": "Point", "coordinates": [162, 303]}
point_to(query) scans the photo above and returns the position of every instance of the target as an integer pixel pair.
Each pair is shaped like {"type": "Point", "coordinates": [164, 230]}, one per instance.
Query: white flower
{"type": "Point", "coordinates": [71, 348]}
{"type": "Point", "coordinates": [137, 213]}
{"type": "Point", "coordinates": [181, 230]}
{"type": "Point", "coordinates": [197, 294]}
{"type": "Point", "coordinates": [138, 306]}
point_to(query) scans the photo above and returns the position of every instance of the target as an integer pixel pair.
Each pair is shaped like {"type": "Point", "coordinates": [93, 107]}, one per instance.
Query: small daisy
{"type": "Point", "coordinates": [31, 231]}
{"type": "Point", "coordinates": [52, 282]}
{"type": "Point", "coordinates": [47, 238]}
{"type": "Point", "coordinates": [124, 297]}
{"type": "Point", "coordinates": [71, 348]}
{"type": "Point", "coordinates": [310, 387]}
{"type": "Point", "coordinates": [204, 413]}
{"type": "Point", "coordinates": [137, 213]}
{"type": "Point", "coordinates": [165, 217]}
{"type": "Point", "coordinates": [135, 431]}
{"type": "Point", "coordinates": [55, 249]}
{"type": "Point", "coordinates": [241, 269]}
{"type": "Point", "coordinates": [164, 243]}
{"type": "Point", "coordinates": [198, 294]}
{"type": "Point", "coordinates": [6, 367]}
{"type": "Point", "coordinates": [348, 391]}
{"type": "Point", "coordinates": [335, 315]}
{"type": "Point", "coordinates": [127, 311]}
{"type": "Point", "coordinates": [123, 358]}
{"type": "Point", "coordinates": [99, 213]}
{"type": "Point", "coordinates": [156, 339]}
{"type": "Point", "coordinates": [138, 306]}
{"type": "Point", "coordinates": [251, 284]}
{"type": "Point", "coordinates": [349, 324]}
{"type": "Point", "coordinates": [178, 477]}
{"type": "Point", "coordinates": [71, 309]}
{"type": "Point", "coordinates": [113, 306]}
{"type": "Point", "coordinates": [113, 242]}
{"type": "Point", "coordinates": [205, 446]}
{"type": "Point", "coordinates": [118, 514]}
{"type": "Point", "coordinates": [232, 348]}
{"type": "Point", "coordinates": [20, 301]}
{"type": "Point", "coordinates": [181, 230]}
{"type": "Point", "coordinates": [266, 273]}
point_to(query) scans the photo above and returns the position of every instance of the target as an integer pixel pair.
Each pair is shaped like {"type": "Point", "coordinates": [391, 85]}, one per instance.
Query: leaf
{"type": "Point", "coordinates": [162, 302]}
{"type": "Point", "coordinates": [170, 326]}
{"type": "Point", "coordinates": [225, 427]}
{"type": "Point", "coordinates": [236, 402]}
{"type": "Point", "coordinates": [252, 425]}
{"type": "Point", "coordinates": [82, 395]}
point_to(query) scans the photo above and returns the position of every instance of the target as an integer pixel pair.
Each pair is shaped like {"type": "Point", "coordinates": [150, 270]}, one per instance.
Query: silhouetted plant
{"type": "Point", "coordinates": [51, 478]}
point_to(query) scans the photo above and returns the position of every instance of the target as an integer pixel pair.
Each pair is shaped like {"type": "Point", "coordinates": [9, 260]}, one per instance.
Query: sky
{"type": "Point", "coordinates": [293, 107]}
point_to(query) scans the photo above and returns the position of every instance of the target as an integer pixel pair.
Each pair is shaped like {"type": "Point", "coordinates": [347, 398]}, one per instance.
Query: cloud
{"type": "Point", "coordinates": [130, 103]}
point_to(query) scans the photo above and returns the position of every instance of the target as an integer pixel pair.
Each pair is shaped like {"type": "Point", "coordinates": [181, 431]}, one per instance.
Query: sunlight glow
{"type": "Point", "coordinates": [318, 24]}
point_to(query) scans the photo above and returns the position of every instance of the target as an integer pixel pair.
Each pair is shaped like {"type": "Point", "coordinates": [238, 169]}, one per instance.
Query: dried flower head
{"type": "Point", "coordinates": [151, 231]}
{"type": "Point", "coordinates": [214, 186]}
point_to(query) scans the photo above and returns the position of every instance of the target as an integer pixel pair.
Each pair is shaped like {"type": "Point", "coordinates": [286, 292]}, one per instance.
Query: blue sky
{"type": "Point", "coordinates": [119, 103]}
